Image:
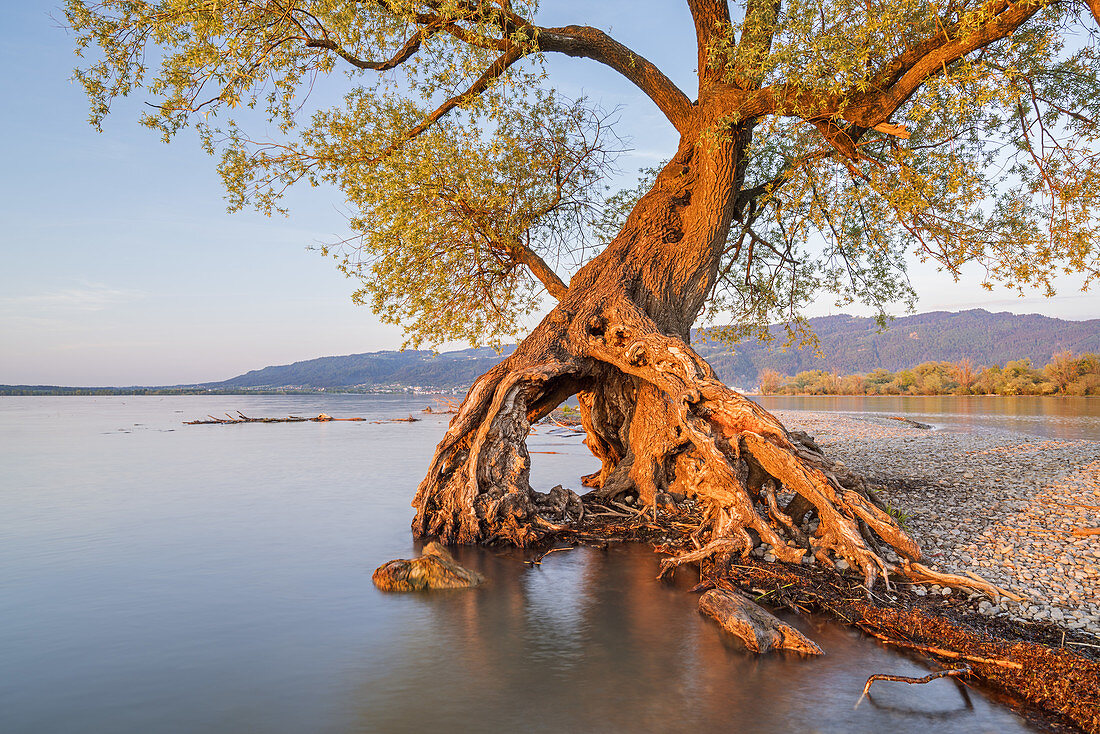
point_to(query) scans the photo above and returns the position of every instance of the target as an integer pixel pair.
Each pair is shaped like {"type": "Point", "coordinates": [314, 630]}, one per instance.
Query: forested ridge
{"type": "Point", "coordinates": [848, 345]}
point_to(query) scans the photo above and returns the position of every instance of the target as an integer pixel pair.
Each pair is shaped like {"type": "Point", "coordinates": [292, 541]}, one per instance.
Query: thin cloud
{"type": "Point", "coordinates": [90, 297]}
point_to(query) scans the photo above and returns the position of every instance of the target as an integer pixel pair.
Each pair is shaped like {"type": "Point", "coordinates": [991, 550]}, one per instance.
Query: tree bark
{"type": "Point", "coordinates": [653, 411]}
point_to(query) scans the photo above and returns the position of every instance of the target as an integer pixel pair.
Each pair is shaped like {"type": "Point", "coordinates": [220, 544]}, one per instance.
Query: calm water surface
{"type": "Point", "coordinates": [161, 578]}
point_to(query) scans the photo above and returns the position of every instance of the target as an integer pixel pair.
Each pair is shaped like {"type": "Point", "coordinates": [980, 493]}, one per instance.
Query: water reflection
{"type": "Point", "coordinates": [590, 641]}
{"type": "Point", "coordinates": [216, 579]}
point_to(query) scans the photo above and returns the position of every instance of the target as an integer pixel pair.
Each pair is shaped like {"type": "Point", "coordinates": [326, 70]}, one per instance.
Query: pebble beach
{"type": "Point", "coordinates": [997, 503]}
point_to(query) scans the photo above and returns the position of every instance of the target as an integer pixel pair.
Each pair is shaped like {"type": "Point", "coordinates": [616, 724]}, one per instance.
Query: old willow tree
{"type": "Point", "coordinates": [823, 142]}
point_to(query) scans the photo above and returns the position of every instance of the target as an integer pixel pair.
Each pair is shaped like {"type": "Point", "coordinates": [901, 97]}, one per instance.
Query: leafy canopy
{"type": "Point", "coordinates": [964, 131]}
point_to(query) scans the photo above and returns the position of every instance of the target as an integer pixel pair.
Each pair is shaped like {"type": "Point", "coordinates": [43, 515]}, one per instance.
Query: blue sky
{"type": "Point", "coordinates": [121, 266]}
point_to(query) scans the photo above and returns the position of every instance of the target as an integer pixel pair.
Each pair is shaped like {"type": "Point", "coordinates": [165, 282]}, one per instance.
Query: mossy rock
{"type": "Point", "coordinates": [434, 569]}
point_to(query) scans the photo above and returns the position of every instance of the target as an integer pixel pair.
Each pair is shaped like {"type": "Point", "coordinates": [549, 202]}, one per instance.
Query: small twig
{"type": "Point", "coordinates": [608, 511]}
{"type": "Point", "coordinates": [1085, 532]}
{"type": "Point", "coordinates": [1047, 531]}
{"type": "Point", "coordinates": [773, 591]}
{"type": "Point", "coordinates": [538, 561]}
{"type": "Point", "coordinates": [1083, 644]}
{"type": "Point", "coordinates": [965, 670]}
{"type": "Point", "coordinates": [632, 510]}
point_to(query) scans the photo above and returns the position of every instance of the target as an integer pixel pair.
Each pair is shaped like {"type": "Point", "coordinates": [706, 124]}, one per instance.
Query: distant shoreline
{"type": "Point", "coordinates": [1066, 374]}
{"type": "Point", "coordinates": [63, 391]}
{"type": "Point", "coordinates": [856, 346]}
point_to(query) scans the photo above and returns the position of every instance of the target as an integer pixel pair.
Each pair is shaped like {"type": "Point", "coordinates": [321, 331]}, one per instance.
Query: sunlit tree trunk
{"type": "Point", "coordinates": [653, 410]}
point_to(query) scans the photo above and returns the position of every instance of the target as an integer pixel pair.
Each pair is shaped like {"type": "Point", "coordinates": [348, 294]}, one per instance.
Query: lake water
{"type": "Point", "coordinates": [161, 578]}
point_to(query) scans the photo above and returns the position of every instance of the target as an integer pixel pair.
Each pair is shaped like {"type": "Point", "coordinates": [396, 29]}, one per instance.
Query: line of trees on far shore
{"type": "Point", "coordinates": [1066, 374]}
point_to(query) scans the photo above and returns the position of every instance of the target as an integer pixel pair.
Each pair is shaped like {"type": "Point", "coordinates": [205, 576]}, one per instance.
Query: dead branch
{"type": "Point", "coordinates": [409, 419]}
{"type": "Point", "coordinates": [939, 651]}
{"type": "Point", "coordinates": [919, 572]}
{"type": "Point", "coordinates": [444, 406]}
{"type": "Point", "coordinates": [965, 670]}
{"type": "Point", "coordinates": [538, 561]}
{"type": "Point", "coordinates": [242, 418]}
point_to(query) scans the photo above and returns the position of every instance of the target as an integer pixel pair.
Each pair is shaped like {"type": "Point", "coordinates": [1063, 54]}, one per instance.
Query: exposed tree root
{"type": "Point", "coordinates": [1033, 664]}
{"type": "Point", "coordinates": [715, 548]}
{"type": "Point", "coordinates": [919, 572]}
{"type": "Point", "coordinates": [736, 460]}
{"type": "Point", "coordinates": [706, 475]}
{"type": "Point", "coordinates": [668, 435]}
{"type": "Point", "coordinates": [477, 488]}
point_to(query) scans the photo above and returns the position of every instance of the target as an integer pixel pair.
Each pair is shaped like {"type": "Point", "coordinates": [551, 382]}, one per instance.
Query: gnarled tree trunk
{"type": "Point", "coordinates": [652, 408]}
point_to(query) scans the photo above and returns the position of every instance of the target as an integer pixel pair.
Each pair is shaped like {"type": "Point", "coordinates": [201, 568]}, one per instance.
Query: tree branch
{"type": "Point", "coordinates": [757, 35]}
{"type": "Point", "coordinates": [495, 70]}
{"type": "Point", "coordinates": [899, 80]}
{"type": "Point", "coordinates": [876, 108]}
{"type": "Point", "coordinates": [584, 42]}
{"type": "Point", "coordinates": [516, 250]}
{"type": "Point", "coordinates": [591, 43]}
{"type": "Point", "coordinates": [540, 269]}
{"type": "Point", "coordinates": [576, 41]}
{"type": "Point", "coordinates": [404, 54]}
{"type": "Point", "coordinates": [711, 18]}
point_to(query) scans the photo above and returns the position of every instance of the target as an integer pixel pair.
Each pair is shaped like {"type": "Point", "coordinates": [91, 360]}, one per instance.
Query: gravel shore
{"type": "Point", "coordinates": [1000, 504]}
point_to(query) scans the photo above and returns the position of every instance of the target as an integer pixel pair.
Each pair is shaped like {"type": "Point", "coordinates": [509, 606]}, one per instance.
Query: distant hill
{"type": "Point", "coordinates": [371, 369]}
{"type": "Point", "coordinates": [849, 345]}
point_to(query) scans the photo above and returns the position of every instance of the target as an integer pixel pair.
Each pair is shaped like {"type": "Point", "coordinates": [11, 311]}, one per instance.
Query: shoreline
{"type": "Point", "coordinates": [997, 503]}
{"type": "Point", "coordinates": [960, 492]}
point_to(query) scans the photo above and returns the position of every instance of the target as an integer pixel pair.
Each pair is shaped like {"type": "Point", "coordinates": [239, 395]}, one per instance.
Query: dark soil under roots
{"type": "Point", "coordinates": [1027, 665]}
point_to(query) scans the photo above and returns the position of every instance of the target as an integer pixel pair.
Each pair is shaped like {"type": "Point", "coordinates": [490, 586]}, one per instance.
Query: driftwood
{"type": "Point", "coordinates": [755, 626]}
{"type": "Point", "coordinates": [435, 569]}
{"type": "Point", "coordinates": [538, 561]}
{"type": "Point", "coordinates": [410, 419]}
{"type": "Point", "coordinates": [1028, 662]}
{"type": "Point", "coordinates": [906, 679]}
{"type": "Point", "coordinates": [941, 652]}
{"type": "Point", "coordinates": [919, 572]}
{"type": "Point", "coordinates": [319, 418]}
{"type": "Point", "coordinates": [443, 406]}
{"type": "Point", "coordinates": [910, 422]}
{"type": "Point", "coordinates": [242, 418]}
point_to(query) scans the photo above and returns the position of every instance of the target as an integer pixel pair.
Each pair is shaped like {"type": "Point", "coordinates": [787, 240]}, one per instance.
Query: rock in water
{"type": "Point", "coordinates": [749, 622]}
{"type": "Point", "coordinates": [435, 569]}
